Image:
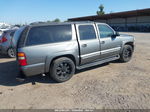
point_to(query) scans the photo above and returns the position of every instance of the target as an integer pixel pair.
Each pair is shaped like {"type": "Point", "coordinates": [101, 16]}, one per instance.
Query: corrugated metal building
{"type": "Point", "coordinates": [136, 20]}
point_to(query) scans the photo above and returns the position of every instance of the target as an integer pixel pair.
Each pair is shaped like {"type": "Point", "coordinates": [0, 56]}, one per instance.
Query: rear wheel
{"type": "Point", "coordinates": [62, 69]}
{"type": "Point", "coordinates": [11, 53]}
{"type": "Point", "coordinates": [126, 53]}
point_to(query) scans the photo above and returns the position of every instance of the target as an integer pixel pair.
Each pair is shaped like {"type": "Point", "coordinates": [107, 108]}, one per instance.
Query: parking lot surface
{"type": "Point", "coordinates": [109, 86]}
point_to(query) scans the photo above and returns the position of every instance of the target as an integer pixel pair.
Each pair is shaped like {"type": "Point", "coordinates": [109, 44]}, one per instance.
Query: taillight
{"type": "Point", "coordinates": [4, 39]}
{"type": "Point", "coordinates": [22, 59]}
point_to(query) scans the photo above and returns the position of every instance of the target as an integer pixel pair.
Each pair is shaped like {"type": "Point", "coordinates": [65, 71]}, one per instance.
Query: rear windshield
{"type": "Point", "coordinates": [49, 34]}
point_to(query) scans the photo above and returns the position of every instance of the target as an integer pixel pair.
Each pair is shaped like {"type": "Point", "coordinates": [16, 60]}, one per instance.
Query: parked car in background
{"type": "Point", "coordinates": [2, 30]}
{"type": "Point", "coordinates": [59, 49]}
{"type": "Point", "coordinates": [7, 43]}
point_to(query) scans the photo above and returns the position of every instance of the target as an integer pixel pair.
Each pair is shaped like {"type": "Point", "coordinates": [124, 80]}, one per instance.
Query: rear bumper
{"type": "Point", "coordinates": [32, 70]}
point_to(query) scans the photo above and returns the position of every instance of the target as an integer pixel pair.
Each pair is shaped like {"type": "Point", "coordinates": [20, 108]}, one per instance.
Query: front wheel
{"type": "Point", "coordinates": [127, 53]}
{"type": "Point", "coordinates": [62, 69]}
{"type": "Point", "coordinates": [11, 53]}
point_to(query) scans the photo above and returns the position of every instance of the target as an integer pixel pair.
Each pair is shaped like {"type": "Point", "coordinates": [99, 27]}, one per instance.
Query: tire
{"type": "Point", "coordinates": [11, 53]}
{"type": "Point", "coordinates": [62, 69]}
{"type": "Point", "coordinates": [127, 53]}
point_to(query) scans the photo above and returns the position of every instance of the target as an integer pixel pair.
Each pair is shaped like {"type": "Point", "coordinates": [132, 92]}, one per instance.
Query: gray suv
{"type": "Point", "coordinates": [58, 49]}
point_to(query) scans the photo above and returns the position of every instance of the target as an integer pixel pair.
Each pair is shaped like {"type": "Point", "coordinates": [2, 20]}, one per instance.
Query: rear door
{"type": "Point", "coordinates": [88, 42]}
{"type": "Point", "coordinates": [110, 46]}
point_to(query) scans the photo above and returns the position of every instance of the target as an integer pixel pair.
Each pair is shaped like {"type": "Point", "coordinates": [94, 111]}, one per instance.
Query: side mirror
{"type": "Point", "coordinates": [115, 35]}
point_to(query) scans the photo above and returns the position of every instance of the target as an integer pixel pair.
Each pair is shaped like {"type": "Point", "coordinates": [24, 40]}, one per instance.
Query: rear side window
{"type": "Point", "coordinates": [49, 34]}
{"type": "Point", "coordinates": [87, 32]}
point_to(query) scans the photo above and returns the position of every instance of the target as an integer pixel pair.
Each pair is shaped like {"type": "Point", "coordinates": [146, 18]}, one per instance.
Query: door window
{"type": "Point", "coordinates": [105, 31]}
{"type": "Point", "coordinates": [87, 32]}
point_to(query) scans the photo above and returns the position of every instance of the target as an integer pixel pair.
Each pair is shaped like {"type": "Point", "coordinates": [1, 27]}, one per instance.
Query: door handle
{"type": "Point", "coordinates": [102, 42]}
{"type": "Point", "coordinates": [84, 45]}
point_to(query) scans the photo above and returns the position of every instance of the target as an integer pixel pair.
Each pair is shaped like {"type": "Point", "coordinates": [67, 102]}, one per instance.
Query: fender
{"type": "Point", "coordinates": [124, 43]}
{"type": "Point", "coordinates": [50, 58]}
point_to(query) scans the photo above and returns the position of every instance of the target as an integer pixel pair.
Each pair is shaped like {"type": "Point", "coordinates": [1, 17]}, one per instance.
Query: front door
{"type": "Point", "coordinates": [110, 46]}
{"type": "Point", "coordinates": [88, 42]}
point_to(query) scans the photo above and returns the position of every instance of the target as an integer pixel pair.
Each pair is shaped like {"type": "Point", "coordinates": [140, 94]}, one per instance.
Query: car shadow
{"type": "Point", "coordinates": [3, 56]}
{"type": "Point", "coordinates": [10, 70]}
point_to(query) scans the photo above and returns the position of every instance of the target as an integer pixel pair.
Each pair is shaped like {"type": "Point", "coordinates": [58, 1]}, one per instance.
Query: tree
{"type": "Point", "coordinates": [56, 20]}
{"type": "Point", "coordinates": [101, 10]}
{"type": "Point", "coordinates": [49, 21]}
{"type": "Point", "coordinates": [66, 21]}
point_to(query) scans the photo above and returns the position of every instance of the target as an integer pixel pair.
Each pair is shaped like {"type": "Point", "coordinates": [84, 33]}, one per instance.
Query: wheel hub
{"type": "Point", "coordinates": [63, 70]}
{"type": "Point", "coordinates": [127, 53]}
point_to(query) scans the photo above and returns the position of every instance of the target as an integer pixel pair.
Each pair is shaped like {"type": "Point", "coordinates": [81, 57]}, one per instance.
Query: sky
{"type": "Point", "coordinates": [27, 11]}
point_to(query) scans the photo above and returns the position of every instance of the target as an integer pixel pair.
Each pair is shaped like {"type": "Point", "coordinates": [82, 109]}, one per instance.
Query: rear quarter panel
{"type": "Point", "coordinates": [39, 57]}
